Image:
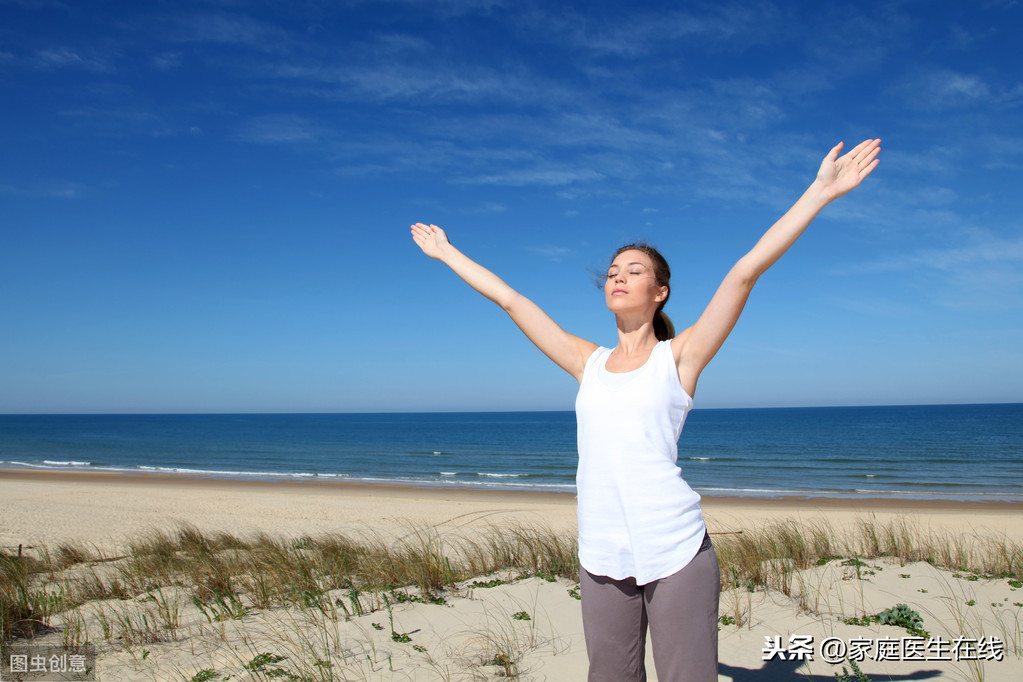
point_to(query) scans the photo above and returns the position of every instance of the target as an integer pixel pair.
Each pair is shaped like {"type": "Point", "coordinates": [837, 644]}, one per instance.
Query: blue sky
{"type": "Point", "coordinates": [204, 206]}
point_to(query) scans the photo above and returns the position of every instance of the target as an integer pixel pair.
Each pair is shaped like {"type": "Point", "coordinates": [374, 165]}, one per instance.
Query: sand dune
{"type": "Point", "coordinates": [531, 627]}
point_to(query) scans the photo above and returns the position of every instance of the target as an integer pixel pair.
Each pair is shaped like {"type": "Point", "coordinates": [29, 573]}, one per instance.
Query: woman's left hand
{"type": "Point", "coordinates": [841, 174]}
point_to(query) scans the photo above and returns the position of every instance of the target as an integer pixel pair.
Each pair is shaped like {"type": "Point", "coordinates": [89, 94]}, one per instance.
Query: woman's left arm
{"type": "Point", "coordinates": [838, 175]}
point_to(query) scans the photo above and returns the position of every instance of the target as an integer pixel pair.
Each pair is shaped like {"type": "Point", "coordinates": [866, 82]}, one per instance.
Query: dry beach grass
{"type": "Point", "coordinates": [178, 578]}
{"type": "Point", "coordinates": [188, 604]}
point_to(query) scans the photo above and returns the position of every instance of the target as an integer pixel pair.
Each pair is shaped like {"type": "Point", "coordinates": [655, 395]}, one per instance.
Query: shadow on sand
{"type": "Point", "coordinates": [787, 671]}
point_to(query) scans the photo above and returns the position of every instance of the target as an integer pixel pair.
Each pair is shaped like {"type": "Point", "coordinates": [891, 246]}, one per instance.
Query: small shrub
{"type": "Point", "coordinates": [262, 660]}
{"type": "Point", "coordinates": [860, 676]}
{"type": "Point", "coordinates": [900, 616]}
{"type": "Point", "coordinates": [506, 664]}
{"type": "Point", "coordinates": [904, 617]}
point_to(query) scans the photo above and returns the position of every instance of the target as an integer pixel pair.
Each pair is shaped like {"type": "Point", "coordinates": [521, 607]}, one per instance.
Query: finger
{"type": "Point", "coordinates": [868, 156]}
{"type": "Point", "coordinates": [833, 154]}
{"type": "Point", "coordinates": [864, 148]}
{"type": "Point", "coordinates": [419, 235]}
{"type": "Point", "coordinates": [869, 169]}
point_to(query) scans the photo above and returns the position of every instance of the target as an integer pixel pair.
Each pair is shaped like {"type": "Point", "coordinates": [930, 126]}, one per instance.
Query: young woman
{"type": "Point", "coordinates": [644, 552]}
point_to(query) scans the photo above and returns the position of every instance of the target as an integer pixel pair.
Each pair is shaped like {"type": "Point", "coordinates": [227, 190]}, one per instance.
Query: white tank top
{"type": "Point", "coordinates": [637, 517]}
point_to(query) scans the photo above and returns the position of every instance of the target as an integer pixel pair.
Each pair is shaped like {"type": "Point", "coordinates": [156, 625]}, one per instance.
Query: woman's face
{"type": "Point", "coordinates": [632, 284]}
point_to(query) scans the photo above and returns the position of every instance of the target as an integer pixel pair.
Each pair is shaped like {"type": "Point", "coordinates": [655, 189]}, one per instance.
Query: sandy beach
{"type": "Point", "coordinates": [105, 511]}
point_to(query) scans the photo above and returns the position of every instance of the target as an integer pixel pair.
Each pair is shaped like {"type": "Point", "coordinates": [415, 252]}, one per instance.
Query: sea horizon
{"type": "Point", "coordinates": [968, 452]}
{"type": "Point", "coordinates": [121, 413]}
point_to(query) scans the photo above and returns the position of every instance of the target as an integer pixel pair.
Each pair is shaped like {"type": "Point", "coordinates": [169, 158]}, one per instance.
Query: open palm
{"type": "Point", "coordinates": [842, 174]}
{"type": "Point", "coordinates": [430, 238]}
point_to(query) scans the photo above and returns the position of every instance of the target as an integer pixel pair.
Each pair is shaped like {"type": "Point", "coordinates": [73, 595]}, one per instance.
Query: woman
{"type": "Point", "coordinates": [644, 552]}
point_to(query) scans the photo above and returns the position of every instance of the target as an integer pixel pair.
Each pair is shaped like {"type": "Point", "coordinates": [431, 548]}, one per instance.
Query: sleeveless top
{"type": "Point", "coordinates": [637, 517]}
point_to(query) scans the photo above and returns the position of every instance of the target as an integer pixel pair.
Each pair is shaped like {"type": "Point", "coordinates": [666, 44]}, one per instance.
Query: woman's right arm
{"type": "Point", "coordinates": [566, 350]}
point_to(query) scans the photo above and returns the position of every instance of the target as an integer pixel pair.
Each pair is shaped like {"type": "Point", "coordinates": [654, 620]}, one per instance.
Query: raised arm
{"type": "Point", "coordinates": [566, 350]}
{"type": "Point", "coordinates": [697, 345]}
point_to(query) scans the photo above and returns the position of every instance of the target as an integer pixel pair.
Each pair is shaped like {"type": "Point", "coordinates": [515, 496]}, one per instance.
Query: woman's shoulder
{"type": "Point", "coordinates": [596, 357]}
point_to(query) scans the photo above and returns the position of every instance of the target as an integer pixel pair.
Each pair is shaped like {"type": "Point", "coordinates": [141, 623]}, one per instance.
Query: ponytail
{"type": "Point", "coordinates": [664, 330]}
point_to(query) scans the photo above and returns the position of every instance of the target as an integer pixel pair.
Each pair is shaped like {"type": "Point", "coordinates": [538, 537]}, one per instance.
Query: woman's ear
{"type": "Point", "coordinates": [662, 295]}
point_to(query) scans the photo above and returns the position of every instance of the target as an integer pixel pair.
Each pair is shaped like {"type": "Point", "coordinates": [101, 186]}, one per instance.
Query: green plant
{"type": "Point", "coordinates": [403, 597]}
{"type": "Point", "coordinates": [521, 615]}
{"type": "Point", "coordinates": [860, 676]}
{"type": "Point", "coordinates": [353, 597]}
{"type": "Point", "coordinates": [395, 635]}
{"type": "Point", "coordinates": [260, 661]}
{"type": "Point", "coordinates": [899, 615]}
{"type": "Point", "coordinates": [223, 607]}
{"type": "Point", "coordinates": [507, 665]}
{"type": "Point", "coordinates": [259, 665]}
{"type": "Point", "coordinates": [904, 617]}
{"type": "Point", "coordinates": [230, 576]}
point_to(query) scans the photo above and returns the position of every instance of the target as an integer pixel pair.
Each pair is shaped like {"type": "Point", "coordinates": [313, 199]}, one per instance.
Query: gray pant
{"type": "Point", "coordinates": [682, 611]}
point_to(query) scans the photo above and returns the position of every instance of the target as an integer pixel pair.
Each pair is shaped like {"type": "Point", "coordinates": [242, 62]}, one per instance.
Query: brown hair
{"type": "Point", "coordinates": [663, 328]}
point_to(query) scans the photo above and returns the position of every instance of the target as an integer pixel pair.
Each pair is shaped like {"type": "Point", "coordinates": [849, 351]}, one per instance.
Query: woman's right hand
{"type": "Point", "coordinates": [431, 239]}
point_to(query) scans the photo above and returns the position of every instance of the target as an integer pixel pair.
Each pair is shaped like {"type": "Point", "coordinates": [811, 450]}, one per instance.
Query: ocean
{"type": "Point", "coordinates": [954, 452]}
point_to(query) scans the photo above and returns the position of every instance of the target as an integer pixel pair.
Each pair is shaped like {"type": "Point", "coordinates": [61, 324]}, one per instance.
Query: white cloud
{"type": "Point", "coordinates": [47, 190]}
{"type": "Point", "coordinates": [988, 250]}
{"type": "Point", "coordinates": [953, 85]}
{"type": "Point", "coordinates": [282, 129]}
{"type": "Point", "coordinates": [232, 29]}
{"type": "Point", "coordinates": [942, 90]}
{"type": "Point", "coordinates": [984, 271]}
{"type": "Point", "coordinates": [553, 177]}
{"type": "Point", "coordinates": [64, 57]}
{"type": "Point", "coordinates": [448, 8]}
{"type": "Point", "coordinates": [167, 61]}
{"type": "Point", "coordinates": [413, 81]}
{"type": "Point", "coordinates": [551, 252]}
{"type": "Point", "coordinates": [633, 33]}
